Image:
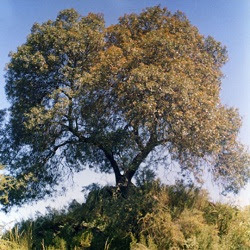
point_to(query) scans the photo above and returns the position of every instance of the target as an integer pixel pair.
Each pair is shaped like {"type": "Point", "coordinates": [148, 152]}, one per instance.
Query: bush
{"type": "Point", "coordinates": [151, 216]}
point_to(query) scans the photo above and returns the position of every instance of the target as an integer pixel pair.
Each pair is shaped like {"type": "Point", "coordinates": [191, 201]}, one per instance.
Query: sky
{"type": "Point", "coordinates": [228, 21]}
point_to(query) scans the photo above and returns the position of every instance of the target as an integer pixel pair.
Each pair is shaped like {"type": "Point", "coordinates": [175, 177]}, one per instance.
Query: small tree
{"type": "Point", "coordinates": [83, 95]}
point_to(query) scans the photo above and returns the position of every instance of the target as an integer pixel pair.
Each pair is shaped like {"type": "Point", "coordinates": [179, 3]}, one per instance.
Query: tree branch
{"type": "Point", "coordinates": [107, 154]}
{"type": "Point", "coordinates": [53, 151]}
{"type": "Point", "coordinates": [139, 158]}
{"type": "Point", "coordinates": [137, 138]}
{"type": "Point", "coordinates": [113, 163]}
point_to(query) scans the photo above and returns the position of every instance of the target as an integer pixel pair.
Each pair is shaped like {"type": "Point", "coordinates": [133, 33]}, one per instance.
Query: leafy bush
{"type": "Point", "coordinates": [151, 216]}
{"type": "Point", "coordinates": [16, 239]}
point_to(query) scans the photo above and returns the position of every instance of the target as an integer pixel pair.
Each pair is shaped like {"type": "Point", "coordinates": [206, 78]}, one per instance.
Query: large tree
{"type": "Point", "coordinates": [117, 99]}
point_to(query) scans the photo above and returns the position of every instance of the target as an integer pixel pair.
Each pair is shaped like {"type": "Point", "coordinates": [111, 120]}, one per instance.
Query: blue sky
{"type": "Point", "coordinates": [228, 21]}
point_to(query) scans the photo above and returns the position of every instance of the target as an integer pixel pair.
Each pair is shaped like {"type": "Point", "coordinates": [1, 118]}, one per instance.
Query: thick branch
{"type": "Point", "coordinates": [140, 157]}
{"type": "Point", "coordinates": [107, 154]}
{"type": "Point", "coordinates": [113, 163]}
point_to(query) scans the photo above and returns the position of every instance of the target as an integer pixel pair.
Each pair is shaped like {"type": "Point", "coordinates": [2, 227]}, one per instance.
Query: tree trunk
{"type": "Point", "coordinates": [124, 184]}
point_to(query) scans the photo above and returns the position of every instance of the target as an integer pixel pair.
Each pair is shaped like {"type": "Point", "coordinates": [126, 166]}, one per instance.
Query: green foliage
{"type": "Point", "coordinates": [141, 92]}
{"type": "Point", "coordinates": [17, 239]}
{"type": "Point", "coordinates": [238, 233]}
{"type": "Point", "coordinates": [149, 218]}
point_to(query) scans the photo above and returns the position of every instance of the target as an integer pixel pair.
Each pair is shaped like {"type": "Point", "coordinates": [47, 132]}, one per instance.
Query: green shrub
{"type": "Point", "coordinates": [150, 216]}
{"type": "Point", "coordinates": [238, 233]}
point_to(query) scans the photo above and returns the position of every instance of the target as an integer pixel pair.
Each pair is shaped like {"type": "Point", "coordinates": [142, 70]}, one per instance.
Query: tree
{"type": "Point", "coordinates": [117, 99]}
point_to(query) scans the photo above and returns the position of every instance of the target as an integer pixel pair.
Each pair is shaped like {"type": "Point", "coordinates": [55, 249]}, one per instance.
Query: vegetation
{"type": "Point", "coordinates": [121, 99]}
{"type": "Point", "coordinates": [154, 216]}
{"type": "Point", "coordinates": [118, 99]}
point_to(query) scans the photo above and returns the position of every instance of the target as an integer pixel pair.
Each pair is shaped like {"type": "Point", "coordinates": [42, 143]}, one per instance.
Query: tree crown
{"type": "Point", "coordinates": [118, 98]}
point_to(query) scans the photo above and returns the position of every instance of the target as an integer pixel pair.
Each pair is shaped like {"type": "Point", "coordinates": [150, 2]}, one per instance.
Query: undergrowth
{"type": "Point", "coordinates": [151, 216]}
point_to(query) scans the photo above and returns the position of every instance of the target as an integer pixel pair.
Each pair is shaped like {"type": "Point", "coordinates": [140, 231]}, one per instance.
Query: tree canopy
{"type": "Point", "coordinates": [142, 92]}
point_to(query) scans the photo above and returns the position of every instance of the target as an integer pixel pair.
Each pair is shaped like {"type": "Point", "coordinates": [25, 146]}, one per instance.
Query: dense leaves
{"type": "Point", "coordinates": [83, 95]}
{"type": "Point", "coordinates": [151, 218]}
